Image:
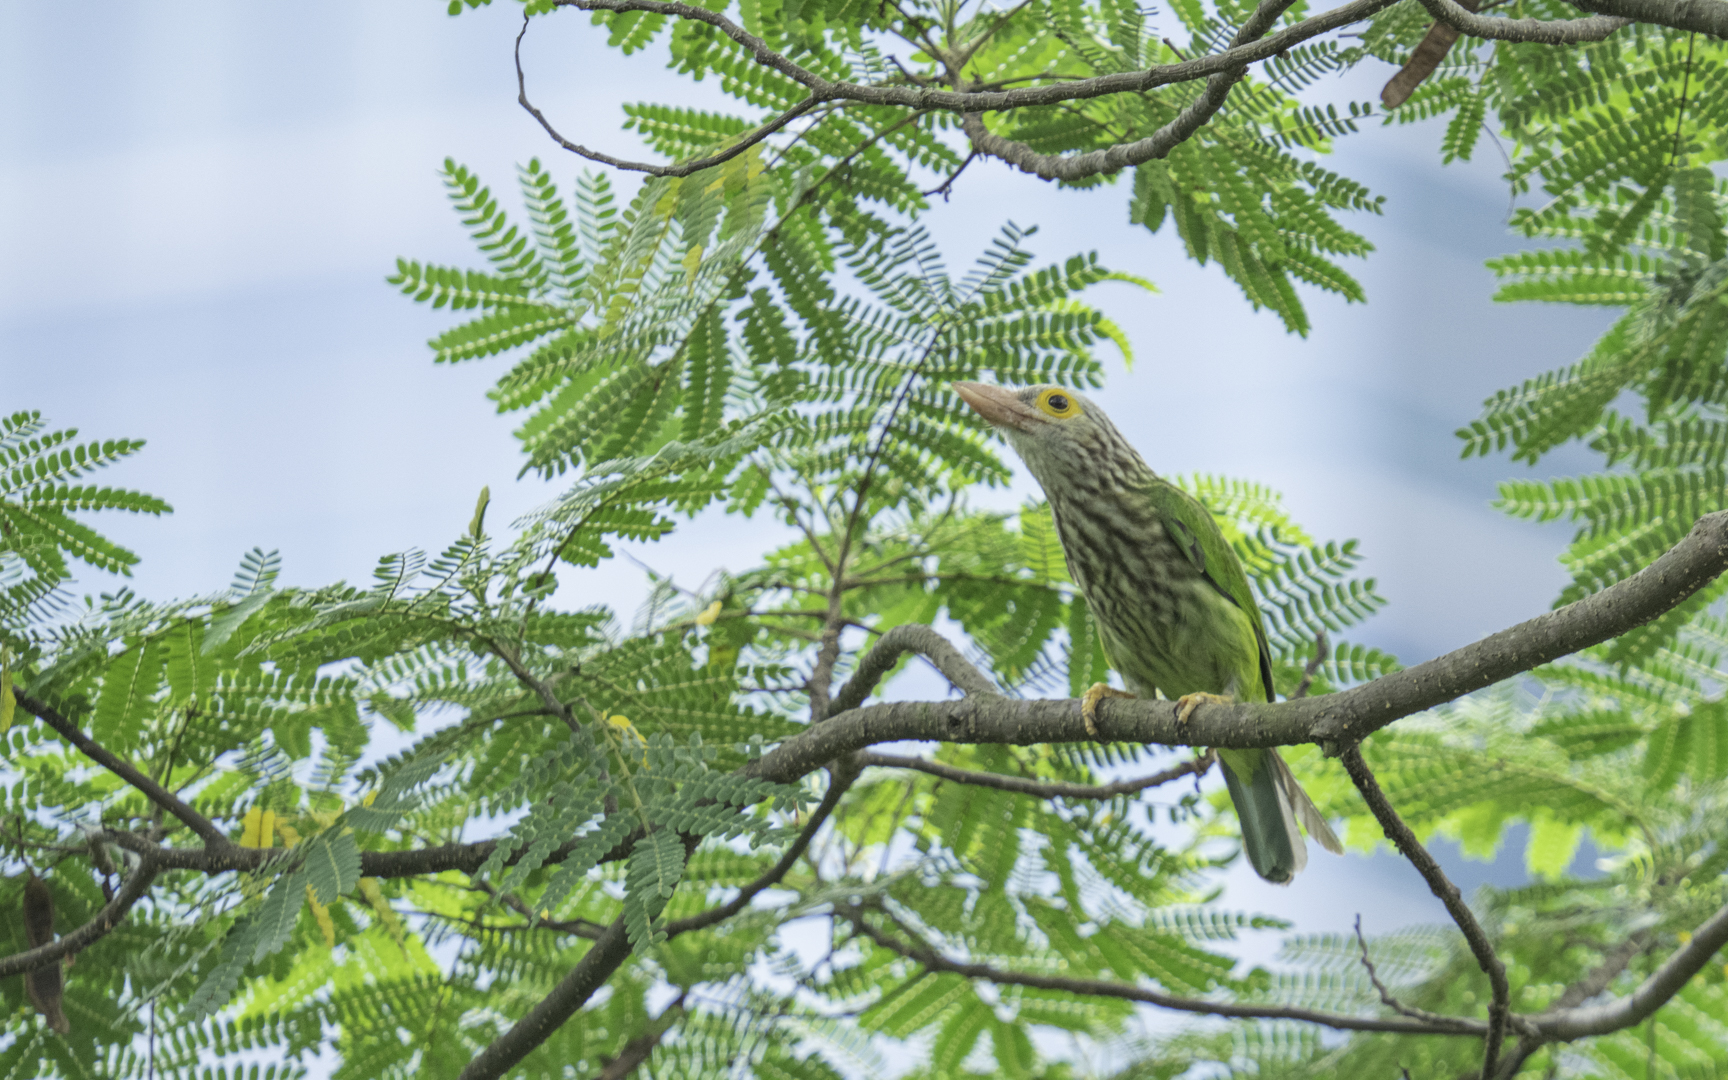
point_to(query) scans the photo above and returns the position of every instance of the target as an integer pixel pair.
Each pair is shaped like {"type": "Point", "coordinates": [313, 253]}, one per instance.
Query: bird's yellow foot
{"type": "Point", "coordinates": [1089, 704]}
{"type": "Point", "coordinates": [1187, 703]}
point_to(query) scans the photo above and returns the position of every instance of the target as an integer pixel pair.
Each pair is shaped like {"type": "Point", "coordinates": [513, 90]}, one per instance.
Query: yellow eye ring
{"type": "Point", "coordinates": [1058, 403]}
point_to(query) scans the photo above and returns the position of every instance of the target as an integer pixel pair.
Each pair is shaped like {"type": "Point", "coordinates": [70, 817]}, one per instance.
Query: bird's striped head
{"type": "Point", "coordinates": [1060, 435]}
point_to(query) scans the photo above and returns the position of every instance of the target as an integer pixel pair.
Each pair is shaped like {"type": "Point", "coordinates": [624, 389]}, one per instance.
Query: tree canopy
{"type": "Point", "coordinates": [455, 821]}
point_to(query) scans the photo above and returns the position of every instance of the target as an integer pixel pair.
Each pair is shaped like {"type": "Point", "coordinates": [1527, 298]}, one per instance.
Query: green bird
{"type": "Point", "coordinates": [1170, 598]}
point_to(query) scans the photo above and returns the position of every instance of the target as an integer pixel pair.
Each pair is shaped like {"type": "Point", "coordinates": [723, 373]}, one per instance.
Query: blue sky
{"type": "Point", "coordinates": [202, 201]}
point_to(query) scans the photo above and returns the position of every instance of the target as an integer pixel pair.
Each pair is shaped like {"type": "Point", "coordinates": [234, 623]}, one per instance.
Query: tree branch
{"type": "Point", "coordinates": [1499, 1008]}
{"type": "Point", "coordinates": [1125, 155]}
{"type": "Point", "coordinates": [685, 168]}
{"type": "Point", "coordinates": [156, 793]}
{"type": "Point", "coordinates": [1700, 16]}
{"type": "Point", "coordinates": [113, 912]}
{"type": "Point", "coordinates": [1613, 963]}
{"type": "Point", "coordinates": [1655, 991]}
{"type": "Point", "coordinates": [984, 717]}
{"type": "Point", "coordinates": [932, 960]}
{"type": "Point", "coordinates": [927, 98]}
{"type": "Point", "coordinates": [910, 637]}
{"type": "Point", "coordinates": [1386, 997]}
{"type": "Point", "coordinates": [1039, 789]}
{"type": "Point", "coordinates": [1538, 31]}
{"type": "Point", "coordinates": [839, 782]}
{"type": "Point", "coordinates": [1344, 717]}
{"type": "Point", "coordinates": [609, 950]}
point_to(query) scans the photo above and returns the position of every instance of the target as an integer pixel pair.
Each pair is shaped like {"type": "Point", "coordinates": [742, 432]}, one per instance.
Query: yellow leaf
{"type": "Point", "coordinates": [1685, 937]}
{"type": "Point", "coordinates": [692, 263]}
{"type": "Point", "coordinates": [258, 828]}
{"type": "Point", "coordinates": [709, 614]}
{"type": "Point", "coordinates": [371, 796]}
{"type": "Point", "coordinates": [374, 896]}
{"type": "Point", "coordinates": [322, 914]}
{"type": "Point", "coordinates": [290, 835]}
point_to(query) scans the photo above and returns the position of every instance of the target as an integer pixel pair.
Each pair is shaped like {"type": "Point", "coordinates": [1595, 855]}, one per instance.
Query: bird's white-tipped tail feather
{"type": "Point", "coordinates": [1297, 806]}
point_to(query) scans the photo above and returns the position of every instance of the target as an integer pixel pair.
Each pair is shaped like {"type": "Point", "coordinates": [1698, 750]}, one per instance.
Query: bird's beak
{"type": "Point", "coordinates": [999, 406]}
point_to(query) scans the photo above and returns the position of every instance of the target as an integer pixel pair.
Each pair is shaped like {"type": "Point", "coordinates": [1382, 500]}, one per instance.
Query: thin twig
{"type": "Point", "coordinates": [156, 793]}
{"type": "Point", "coordinates": [946, 187]}
{"type": "Point", "coordinates": [1322, 649]}
{"type": "Point", "coordinates": [1386, 997]}
{"type": "Point", "coordinates": [744, 143]}
{"type": "Point", "coordinates": [1685, 85]}
{"type": "Point", "coordinates": [1499, 1008]}
{"type": "Point", "coordinates": [927, 956]}
{"type": "Point", "coordinates": [1040, 789]}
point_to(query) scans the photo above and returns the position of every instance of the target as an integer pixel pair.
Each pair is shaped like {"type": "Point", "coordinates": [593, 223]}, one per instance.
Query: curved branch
{"type": "Point", "coordinates": [1111, 158]}
{"type": "Point", "coordinates": [1347, 716]}
{"type": "Point", "coordinates": [1499, 1008]}
{"type": "Point", "coordinates": [928, 957]}
{"type": "Point", "coordinates": [1538, 31]}
{"type": "Point", "coordinates": [911, 637]}
{"type": "Point", "coordinates": [930, 97]}
{"type": "Point", "coordinates": [156, 793]}
{"type": "Point", "coordinates": [1040, 789]}
{"type": "Point", "coordinates": [131, 890]}
{"type": "Point", "coordinates": [1126, 155]}
{"type": "Point", "coordinates": [1654, 993]}
{"type": "Point", "coordinates": [684, 168]}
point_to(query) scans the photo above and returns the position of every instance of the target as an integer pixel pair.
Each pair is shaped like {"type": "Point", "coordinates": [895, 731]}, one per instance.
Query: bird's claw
{"type": "Point", "coordinates": [1187, 703]}
{"type": "Point", "coordinates": [1089, 704]}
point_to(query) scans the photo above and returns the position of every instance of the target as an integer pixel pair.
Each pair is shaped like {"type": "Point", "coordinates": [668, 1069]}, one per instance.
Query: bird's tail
{"type": "Point", "coordinates": [1269, 803]}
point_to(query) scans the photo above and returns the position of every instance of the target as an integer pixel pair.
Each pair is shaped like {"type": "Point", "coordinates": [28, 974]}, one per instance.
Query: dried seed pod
{"type": "Point", "coordinates": [46, 984]}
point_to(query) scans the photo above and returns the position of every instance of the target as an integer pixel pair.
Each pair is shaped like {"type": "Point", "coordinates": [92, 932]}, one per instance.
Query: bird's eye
{"type": "Point", "coordinates": [1057, 404]}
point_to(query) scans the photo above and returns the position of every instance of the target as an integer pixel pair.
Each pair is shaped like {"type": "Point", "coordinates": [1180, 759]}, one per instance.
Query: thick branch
{"type": "Point", "coordinates": [156, 793]}
{"type": "Point", "coordinates": [928, 957]}
{"type": "Point", "coordinates": [985, 717]}
{"type": "Point", "coordinates": [1347, 716]}
{"type": "Point", "coordinates": [1039, 789]}
{"type": "Point", "coordinates": [134, 887]}
{"type": "Point", "coordinates": [609, 950]}
{"type": "Point", "coordinates": [1499, 1008]}
{"type": "Point", "coordinates": [1557, 32]}
{"type": "Point", "coordinates": [1701, 16]}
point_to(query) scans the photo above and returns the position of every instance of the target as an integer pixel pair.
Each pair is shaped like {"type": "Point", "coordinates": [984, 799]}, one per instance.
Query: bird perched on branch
{"type": "Point", "coordinates": [1167, 592]}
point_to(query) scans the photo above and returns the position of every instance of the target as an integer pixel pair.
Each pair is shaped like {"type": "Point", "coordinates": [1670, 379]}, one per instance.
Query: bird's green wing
{"type": "Point", "coordinates": [1193, 529]}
